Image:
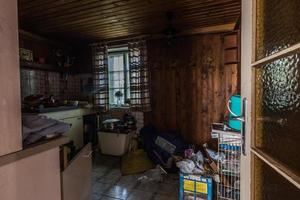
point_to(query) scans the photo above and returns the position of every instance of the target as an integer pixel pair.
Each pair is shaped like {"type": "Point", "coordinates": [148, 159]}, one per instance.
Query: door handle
{"type": "Point", "coordinates": [243, 119]}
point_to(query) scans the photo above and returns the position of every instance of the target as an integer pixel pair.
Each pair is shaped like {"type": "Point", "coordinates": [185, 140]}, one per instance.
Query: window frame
{"type": "Point", "coordinates": [126, 70]}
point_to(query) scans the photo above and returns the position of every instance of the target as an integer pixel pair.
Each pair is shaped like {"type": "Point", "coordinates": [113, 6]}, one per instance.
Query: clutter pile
{"type": "Point", "coordinates": [198, 168]}
{"type": "Point", "coordinates": [197, 172]}
{"type": "Point", "coordinates": [199, 163]}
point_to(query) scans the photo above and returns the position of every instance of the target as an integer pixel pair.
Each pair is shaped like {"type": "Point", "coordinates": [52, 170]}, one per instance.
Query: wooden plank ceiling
{"type": "Point", "coordinates": [104, 19]}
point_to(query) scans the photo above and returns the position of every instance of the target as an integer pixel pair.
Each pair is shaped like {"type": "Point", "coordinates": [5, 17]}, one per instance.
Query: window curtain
{"type": "Point", "coordinates": [100, 72]}
{"type": "Point", "coordinates": [139, 76]}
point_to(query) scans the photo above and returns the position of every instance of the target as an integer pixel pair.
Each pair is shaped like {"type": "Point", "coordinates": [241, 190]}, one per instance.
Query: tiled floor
{"type": "Point", "coordinates": [109, 184]}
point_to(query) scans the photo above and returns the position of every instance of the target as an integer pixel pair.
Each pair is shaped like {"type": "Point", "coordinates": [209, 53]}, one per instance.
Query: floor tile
{"type": "Point", "coordinates": [148, 186]}
{"type": "Point", "coordinates": [99, 188]}
{"type": "Point", "coordinates": [108, 198]}
{"type": "Point", "coordinates": [96, 197]}
{"type": "Point", "coordinates": [111, 177]}
{"type": "Point", "coordinates": [105, 160]}
{"type": "Point", "coordinates": [167, 188]}
{"type": "Point", "coordinates": [140, 195]}
{"type": "Point", "coordinates": [109, 184]}
{"type": "Point", "coordinates": [128, 182]}
{"type": "Point", "coordinates": [171, 179]}
{"type": "Point", "coordinates": [117, 192]}
{"type": "Point", "coordinates": [99, 172]}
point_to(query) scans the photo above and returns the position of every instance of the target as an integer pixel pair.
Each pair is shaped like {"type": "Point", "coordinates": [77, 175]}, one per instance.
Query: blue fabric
{"type": "Point", "coordinates": [156, 153]}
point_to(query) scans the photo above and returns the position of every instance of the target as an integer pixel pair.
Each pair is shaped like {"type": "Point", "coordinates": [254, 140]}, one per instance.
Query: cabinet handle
{"type": "Point", "coordinates": [88, 155]}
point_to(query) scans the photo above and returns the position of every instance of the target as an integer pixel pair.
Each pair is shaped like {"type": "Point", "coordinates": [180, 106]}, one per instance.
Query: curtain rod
{"type": "Point", "coordinates": [125, 39]}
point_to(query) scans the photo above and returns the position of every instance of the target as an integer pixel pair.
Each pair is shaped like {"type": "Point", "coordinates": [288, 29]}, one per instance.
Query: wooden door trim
{"type": "Point", "coordinates": [283, 53]}
{"type": "Point", "coordinates": [288, 174]}
{"type": "Point", "coordinates": [246, 92]}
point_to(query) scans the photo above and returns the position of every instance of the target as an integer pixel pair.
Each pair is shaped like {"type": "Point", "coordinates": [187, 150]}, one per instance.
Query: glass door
{"type": "Point", "coordinates": [272, 60]}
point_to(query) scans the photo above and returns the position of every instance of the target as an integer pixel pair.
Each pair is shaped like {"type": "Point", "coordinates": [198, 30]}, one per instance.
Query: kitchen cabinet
{"type": "Point", "coordinates": [33, 173]}
{"type": "Point", "coordinates": [75, 119]}
{"type": "Point", "coordinates": [76, 131]}
{"type": "Point", "coordinates": [76, 178]}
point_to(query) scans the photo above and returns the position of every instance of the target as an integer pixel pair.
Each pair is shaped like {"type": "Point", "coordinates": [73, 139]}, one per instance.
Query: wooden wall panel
{"type": "Point", "coordinates": [190, 84]}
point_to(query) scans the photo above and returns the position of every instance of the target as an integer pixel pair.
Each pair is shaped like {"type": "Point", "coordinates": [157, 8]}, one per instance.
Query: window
{"type": "Point", "coordinates": [118, 77]}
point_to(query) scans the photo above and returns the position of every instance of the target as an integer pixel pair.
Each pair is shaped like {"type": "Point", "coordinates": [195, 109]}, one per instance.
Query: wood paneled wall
{"type": "Point", "coordinates": [190, 84]}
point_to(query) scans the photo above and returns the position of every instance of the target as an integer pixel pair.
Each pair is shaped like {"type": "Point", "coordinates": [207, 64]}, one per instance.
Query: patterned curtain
{"type": "Point", "coordinates": [139, 76]}
{"type": "Point", "coordinates": [100, 71]}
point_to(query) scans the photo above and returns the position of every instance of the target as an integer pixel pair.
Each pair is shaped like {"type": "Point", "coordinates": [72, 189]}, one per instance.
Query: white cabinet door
{"type": "Point", "coordinates": [76, 178]}
{"type": "Point", "coordinates": [76, 131]}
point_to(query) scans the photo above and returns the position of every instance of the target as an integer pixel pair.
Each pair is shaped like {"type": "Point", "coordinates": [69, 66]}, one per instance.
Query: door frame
{"type": "Point", "coordinates": [247, 50]}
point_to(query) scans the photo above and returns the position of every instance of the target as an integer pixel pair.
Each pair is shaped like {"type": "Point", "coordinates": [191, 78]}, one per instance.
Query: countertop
{"type": "Point", "coordinates": [52, 109]}
{"type": "Point", "coordinates": [33, 149]}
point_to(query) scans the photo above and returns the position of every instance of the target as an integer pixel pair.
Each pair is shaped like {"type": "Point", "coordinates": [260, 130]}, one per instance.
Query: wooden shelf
{"type": "Point", "coordinates": [38, 66]}
{"type": "Point", "coordinates": [231, 63]}
{"type": "Point", "coordinates": [231, 48]}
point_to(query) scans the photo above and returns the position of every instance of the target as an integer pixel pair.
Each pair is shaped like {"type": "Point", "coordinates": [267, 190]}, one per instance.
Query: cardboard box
{"type": "Point", "coordinates": [195, 187]}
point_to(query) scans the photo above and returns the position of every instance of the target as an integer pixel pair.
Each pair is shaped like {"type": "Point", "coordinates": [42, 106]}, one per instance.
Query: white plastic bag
{"type": "Point", "coordinates": [186, 166]}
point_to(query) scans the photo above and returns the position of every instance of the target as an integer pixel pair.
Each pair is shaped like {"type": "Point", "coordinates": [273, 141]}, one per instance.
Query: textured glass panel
{"type": "Point", "coordinates": [269, 185]}
{"type": "Point", "coordinates": [277, 116]}
{"type": "Point", "coordinates": [278, 25]}
{"type": "Point", "coordinates": [277, 127]}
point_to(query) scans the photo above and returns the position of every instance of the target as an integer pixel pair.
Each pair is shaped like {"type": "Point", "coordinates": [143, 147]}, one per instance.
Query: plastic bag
{"type": "Point", "coordinates": [215, 156]}
{"type": "Point", "coordinates": [186, 166]}
{"type": "Point", "coordinates": [198, 157]}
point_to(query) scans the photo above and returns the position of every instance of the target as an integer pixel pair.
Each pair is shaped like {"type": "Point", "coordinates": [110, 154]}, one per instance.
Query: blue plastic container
{"type": "Point", "coordinates": [234, 107]}
{"type": "Point", "coordinates": [195, 187]}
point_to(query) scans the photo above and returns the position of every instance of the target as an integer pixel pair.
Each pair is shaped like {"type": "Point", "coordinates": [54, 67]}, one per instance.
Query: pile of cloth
{"type": "Point", "coordinates": [35, 127]}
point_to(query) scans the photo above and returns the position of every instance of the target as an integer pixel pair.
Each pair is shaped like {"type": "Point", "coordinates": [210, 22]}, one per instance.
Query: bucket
{"type": "Point", "coordinates": [234, 108]}
{"type": "Point", "coordinates": [115, 144]}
